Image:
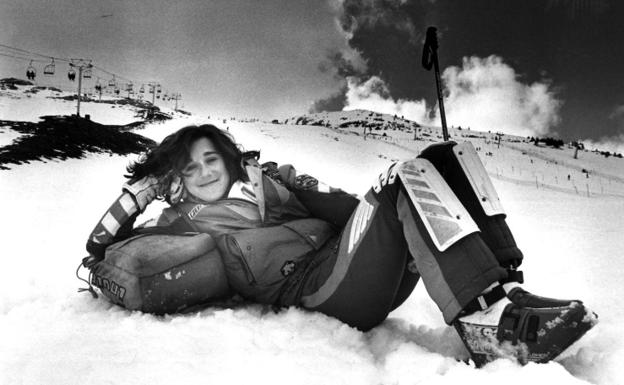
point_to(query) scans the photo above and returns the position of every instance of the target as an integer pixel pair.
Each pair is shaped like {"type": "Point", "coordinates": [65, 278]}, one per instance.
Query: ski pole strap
{"type": "Point", "coordinates": [484, 301]}
{"type": "Point", "coordinates": [90, 289]}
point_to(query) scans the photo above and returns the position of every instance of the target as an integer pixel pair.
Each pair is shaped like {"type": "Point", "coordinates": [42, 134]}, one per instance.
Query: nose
{"type": "Point", "coordinates": [206, 171]}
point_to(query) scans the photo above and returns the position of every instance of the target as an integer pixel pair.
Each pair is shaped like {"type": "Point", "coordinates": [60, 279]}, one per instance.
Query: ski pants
{"type": "Point", "coordinates": [385, 249]}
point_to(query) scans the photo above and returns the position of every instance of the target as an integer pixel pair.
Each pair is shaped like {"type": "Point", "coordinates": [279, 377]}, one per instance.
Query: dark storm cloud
{"type": "Point", "coordinates": [335, 102]}
{"type": "Point", "coordinates": [387, 36]}
{"type": "Point", "coordinates": [572, 46]}
{"type": "Point", "coordinates": [340, 66]}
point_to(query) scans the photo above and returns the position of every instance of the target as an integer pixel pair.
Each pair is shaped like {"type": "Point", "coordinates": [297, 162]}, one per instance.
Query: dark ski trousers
{"type": "Point", "coordinates": [385, 248]}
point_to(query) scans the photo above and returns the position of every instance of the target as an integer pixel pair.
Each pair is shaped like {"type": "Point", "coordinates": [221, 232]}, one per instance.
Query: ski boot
{"type": "Point", "coordinates": [500, 325]}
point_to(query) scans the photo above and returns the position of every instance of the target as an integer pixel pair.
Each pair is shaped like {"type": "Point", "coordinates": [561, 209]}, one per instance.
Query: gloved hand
{"type": "Point", "coordinates": [144, 190]}
{"type": "Point", "coordinates": [305, 182]}
{"type": "Point", "coordinates": [270, 169]}
{"type": "Point", "coordinates": [287, 175]}
{"type": "Point", "coordinates": [387, 177]}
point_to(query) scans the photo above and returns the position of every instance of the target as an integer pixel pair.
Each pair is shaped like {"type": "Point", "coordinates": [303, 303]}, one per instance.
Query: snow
{"type": "Point", "coordinates": [32, 106]}
{"type": "Point", "coordinates": [51, 334]}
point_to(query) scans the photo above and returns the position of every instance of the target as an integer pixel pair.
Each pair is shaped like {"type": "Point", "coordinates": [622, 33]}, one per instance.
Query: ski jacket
{"type": "Point", "coordinates": [267, 247]}
{"type": "Point", "coordinates": [263, 246]}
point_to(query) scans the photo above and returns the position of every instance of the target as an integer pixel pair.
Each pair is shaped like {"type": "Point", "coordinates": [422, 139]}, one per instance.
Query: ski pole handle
{"type": "Point", "coordinates": [430, 60]}
{"type": "Point", "coordinates": [430, 48]}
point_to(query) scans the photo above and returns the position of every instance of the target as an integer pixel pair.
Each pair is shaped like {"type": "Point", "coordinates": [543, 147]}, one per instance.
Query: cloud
{"type": "Point", "coordinates": [373, 95]}
{"type": "Point", "coordinates": [386, 35]}
{"type": "Point", "coordinates": [369, 14]}
{"type": "Point", "coordinates": [617, 113]}
{"type": "Point", "coordinates": [486, 94]}
{"type": "Point", "coordinates": [613, 144]}
{"type": "Point", "coordinates": [342, 63]}
{"type": "Point", "coordinates": [334, 102]}
{"type": "Point", "coordinates": [483, 94]}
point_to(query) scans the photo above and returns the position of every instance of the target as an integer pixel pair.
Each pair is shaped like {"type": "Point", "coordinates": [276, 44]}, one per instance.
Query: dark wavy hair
{"type": "Point", "coordinates": [173, 153]}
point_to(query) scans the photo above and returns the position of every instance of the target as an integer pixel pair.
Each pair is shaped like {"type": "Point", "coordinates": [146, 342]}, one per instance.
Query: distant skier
{"type": "Point", "coordinates": [287, 240]}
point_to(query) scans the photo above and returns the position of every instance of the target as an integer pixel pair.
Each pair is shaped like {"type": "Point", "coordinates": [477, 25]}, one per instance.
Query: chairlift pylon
{"type": "Point", "coordinates": [49, 69]}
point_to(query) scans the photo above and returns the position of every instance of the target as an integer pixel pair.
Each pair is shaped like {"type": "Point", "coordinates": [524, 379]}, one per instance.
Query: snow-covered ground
{"type": "Point", "coordinates": [50, 334]}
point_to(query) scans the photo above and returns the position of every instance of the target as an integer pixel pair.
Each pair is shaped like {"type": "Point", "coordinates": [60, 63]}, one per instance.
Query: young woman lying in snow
{"type": "Point", "coordinates": [286, 240]}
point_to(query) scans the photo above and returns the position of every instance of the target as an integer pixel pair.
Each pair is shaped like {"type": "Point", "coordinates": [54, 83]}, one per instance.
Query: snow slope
{"type": "Point", "coordinates": [51, 334]}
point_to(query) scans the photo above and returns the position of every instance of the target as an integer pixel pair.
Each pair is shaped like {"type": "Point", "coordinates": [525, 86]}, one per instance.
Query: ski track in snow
{"type": "Point", "coordinates": [51, 334]}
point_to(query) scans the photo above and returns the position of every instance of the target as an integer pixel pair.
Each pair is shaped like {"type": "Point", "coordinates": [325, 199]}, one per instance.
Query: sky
{"type": "Point", "coordinates": [524, 67]}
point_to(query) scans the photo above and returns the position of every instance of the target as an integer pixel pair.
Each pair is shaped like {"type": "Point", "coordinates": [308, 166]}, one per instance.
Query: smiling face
{"type": "Point", "coordinates": [206, 177]}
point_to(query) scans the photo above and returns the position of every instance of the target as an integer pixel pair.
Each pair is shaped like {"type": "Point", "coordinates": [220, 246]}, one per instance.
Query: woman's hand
{"type": "Point", "coordinates": [144, 191]}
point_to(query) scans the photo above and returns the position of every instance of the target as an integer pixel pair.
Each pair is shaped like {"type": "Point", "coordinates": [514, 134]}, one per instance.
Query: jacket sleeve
{"type": "Point", "coordinates": [115, 225]}
{"type": "Point", "coordinates": [324, 202]}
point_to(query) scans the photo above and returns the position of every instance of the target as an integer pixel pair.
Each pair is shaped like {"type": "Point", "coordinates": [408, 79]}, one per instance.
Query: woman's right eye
{"type": "Point", "coordinates": [189, 170]}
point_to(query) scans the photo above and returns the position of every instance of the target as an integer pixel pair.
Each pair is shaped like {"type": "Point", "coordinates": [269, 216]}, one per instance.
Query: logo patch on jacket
{"type": "Point", "coordinates": [288, 268]}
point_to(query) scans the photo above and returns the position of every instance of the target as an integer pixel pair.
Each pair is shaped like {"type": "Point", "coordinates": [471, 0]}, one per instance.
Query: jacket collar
{"type": "Point", "coordinates": [254, 172]}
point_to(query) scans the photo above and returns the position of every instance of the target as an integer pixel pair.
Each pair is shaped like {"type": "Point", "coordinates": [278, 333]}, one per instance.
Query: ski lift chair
{"type": "Point", "coordinates": [112, 83]}
{"type": "Point", "coordinates": [87, 74]}
{"type": "Point", "coordinates": [31, 72]}
{"type": "Point", "coordinates": [71, 75]}
{"type": "Point", "coordinates": [49, 69]}
{"type": "Point", "coordinates": [142, 89]}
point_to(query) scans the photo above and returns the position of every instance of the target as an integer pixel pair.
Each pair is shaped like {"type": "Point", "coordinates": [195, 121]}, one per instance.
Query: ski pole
{"type": "Point", "coordinates": [430, 59]}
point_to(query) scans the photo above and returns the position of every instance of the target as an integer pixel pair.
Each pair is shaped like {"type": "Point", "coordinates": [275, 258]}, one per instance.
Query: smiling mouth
{"type": "Point", "coordinates": [208, 183]}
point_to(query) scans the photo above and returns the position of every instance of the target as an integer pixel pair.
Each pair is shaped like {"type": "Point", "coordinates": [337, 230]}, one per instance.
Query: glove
{"type": "Point", "coordinates": [144, 191]}
{"type": "Point", "coordinates": [387, 177]}
{"type": "Point", "coordinates": [270, 169]}
{"type": "Point", "coordinates": [305, 182]}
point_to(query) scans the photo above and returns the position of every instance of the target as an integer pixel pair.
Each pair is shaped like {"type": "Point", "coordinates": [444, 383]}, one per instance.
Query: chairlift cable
{"type": "Point", "coordinates": [23, 51]}
{"type": "Point", "coordinates": [19, 53]}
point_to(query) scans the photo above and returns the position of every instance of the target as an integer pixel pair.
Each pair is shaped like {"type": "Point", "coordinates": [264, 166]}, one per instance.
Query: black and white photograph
{"type": "Point", "coordinates": [312, 192]}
